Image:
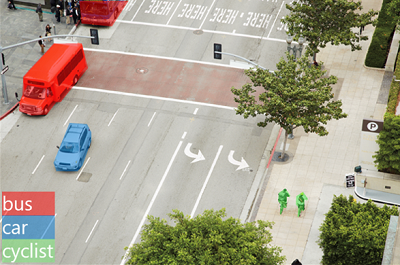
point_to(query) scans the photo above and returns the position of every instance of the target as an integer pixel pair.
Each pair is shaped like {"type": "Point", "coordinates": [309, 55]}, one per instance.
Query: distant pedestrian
{"type": "Point", "coordinates": [361, 29]}
{"type": "Point", "coordinates": [315, 63]}
{"type": "Point", "coordinates": [57, 13]}
{"type": "Point", "coordinates": [74, 14]}
{"type": "Point", "coordinates": [41, 44]}
{"type": "Point", "coordinates": [11, 4]}
{"type": "Point", "coordinates": [39, 12]}
{"type": "Point", "coordinates": [48, 31]}
{"type": "Point", "coordinates": [69, 15]}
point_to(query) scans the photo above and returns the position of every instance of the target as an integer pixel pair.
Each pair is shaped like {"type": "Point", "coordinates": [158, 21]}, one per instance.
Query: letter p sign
{"type": "Point", "coordinates": [372, 126]}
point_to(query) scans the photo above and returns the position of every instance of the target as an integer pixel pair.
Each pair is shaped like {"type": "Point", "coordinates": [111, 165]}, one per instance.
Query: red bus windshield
{"type": "Point", "coordinates": [35, 92]}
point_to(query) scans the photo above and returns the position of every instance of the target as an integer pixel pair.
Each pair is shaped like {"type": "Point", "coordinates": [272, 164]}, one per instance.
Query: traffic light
{"type": "Point", "coordinates": [217, 48]}
{"type": "Point", "coordinates": [2, 59]}
{"type": "Point", "coordinates": [94, 33]}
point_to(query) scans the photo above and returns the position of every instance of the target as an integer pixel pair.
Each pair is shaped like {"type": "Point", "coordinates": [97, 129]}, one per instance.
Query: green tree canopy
{"type": "Point", "coordinates": [205, 239]}
{"type": "Point", "coordinates": [327, 21]}
{"type": "Point", "coordinates": [295, 95]}
{"type": "Point", "coordinates": [354, 233]}
{"type": "Point", "coordinates": [394, 11]}
{"type": "Point", "coordinates": [388, 156]}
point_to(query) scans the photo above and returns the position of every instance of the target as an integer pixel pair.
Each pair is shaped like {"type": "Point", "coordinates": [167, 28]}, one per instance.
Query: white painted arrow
{"type": "Point", "coordinates": [241, 164]}
{"type": "Point", "coordinates": [197, 157]}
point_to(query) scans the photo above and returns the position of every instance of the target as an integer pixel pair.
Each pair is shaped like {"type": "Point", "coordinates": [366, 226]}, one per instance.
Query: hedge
{"type": "Point", "coordinates": [382, 38]}
{"type": "Point", "coordinates": [394, 91]}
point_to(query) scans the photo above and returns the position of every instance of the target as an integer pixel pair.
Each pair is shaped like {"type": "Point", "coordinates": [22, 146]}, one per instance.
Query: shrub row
{"type": "Point", "coordinates": [394, 91]}
{"type": "Point", "coordinates": [382, 38]}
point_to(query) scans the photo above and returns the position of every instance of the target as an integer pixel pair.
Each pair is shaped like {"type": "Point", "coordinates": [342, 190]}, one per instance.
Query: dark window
{"type": "Point", "coordinates": [70, 67]}
{"type": "Point", "coordinates": [83, 137]}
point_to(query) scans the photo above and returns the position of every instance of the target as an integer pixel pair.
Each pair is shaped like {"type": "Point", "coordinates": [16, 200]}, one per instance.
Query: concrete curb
{"type": "Point", "coordinates": [262, 171]}
{"type": "Point", "coordinates": [9, 111]}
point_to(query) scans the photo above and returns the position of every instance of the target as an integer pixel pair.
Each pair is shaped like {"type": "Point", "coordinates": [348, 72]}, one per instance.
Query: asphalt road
{"type": "Point", "coordinates": [188, 29]}
{"type": "Point", "coordinates": [140, 161]}
{"type": "Point", "coordinates": [137, 144]}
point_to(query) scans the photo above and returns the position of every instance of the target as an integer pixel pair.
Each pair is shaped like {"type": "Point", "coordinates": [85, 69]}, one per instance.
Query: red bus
{"type": "Point", "coordinates": [52, 77]}
{"type": "Point", "coordinates": [101, 12]}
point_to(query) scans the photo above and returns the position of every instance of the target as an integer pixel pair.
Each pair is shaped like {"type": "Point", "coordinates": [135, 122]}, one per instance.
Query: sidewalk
{"type": "Point", "coordinates": [319, 163]}
{"type": "Point", "coordinates": [18, 26]}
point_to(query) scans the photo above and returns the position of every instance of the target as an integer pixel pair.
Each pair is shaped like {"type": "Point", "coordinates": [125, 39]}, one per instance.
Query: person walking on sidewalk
{"type": "Point", "coordinates": [48, 31]}
{"type": "Point", "coordinates": [74, 14]}
{"type": "Point", "coordinates": [11, 4]}
{"type": "Point", "coordinates": [41, 44]}
{"type": "Point", "coordinates": [69, 15]}
{"type": "Point", "coordinates": [39, 12]}
{"type": "Point", "coordinates": [282, 199]}
{"type": "Point", "coordinates": [58, 13]}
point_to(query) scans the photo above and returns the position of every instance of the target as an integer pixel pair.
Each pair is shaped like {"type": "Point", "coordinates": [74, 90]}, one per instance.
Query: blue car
{"type": "Point", "coordinates": [74, 147]}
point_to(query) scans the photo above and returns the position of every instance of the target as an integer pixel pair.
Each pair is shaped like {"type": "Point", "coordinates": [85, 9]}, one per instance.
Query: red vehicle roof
{"type": "Point", "coordinates": [52, 62]}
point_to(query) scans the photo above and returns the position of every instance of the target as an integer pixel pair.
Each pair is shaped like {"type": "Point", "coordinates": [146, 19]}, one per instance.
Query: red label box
{"type": "Point", "coordinates": [28, 203]}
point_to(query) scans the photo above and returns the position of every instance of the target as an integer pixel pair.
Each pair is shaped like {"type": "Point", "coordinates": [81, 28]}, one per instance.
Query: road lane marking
{"type": "Point", "coordinates": [184, 135]}
{"type": "Point", "coordinates": [82, 168]}
{"type": "Point", "coordinates": [154, 97]}
{"type": "Point", "coordinates": [204, 30]}
{"type": "Point", "coordinates": [138, 10]}
{"type": "Point", "coordinates": [206, 181]}
{"type": "Point", "coordinates": [70, 115]}
{"type": "Point", "coordinates": [33, 172]}
{"type": "Point", "coordinates": [195, 111]}
{"type": "Point", "coordinates": [113, 117]}
{"type": "Point", "coordinates": [275, 19]}
{"type": "Point", "coordinates": [189, 153]}
{"type": "Point", "coordinates": [125, 169]}
{"type": "Point", "coordinates": [206, 15]}
{"type": "Point", "coordinates": [152, 201]}
{"type": "Point", "coordinates": [242, 164]}
{"type": "Point", "coordinates": [91, 231]}
{"type": "Point", "coordinates": [130, 4]}
{"type": "Point", "coordinates": [148, 125]}
{"type": "Point", "coordinates": [174, 12]}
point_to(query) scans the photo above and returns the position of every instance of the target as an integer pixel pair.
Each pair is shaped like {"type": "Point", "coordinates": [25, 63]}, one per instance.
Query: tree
{"type": "Point", "coordinates": [354, 233]}
{"type": "Point", "coordinates": [393, 10]}
{"type": "Point", "coordinates": [205, 239]}
{"type": "Point", "coordinates": [388, 156]}
{"type": "Point", "coordinates": [327, 21]}
{"type": "Point", "coordinates": [296, 95]}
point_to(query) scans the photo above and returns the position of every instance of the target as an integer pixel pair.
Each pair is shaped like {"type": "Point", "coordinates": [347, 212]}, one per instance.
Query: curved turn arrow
{"type": "Point", "coordinates": [197, 157]}
{"type": "Point", "coordinates": [242, 164]}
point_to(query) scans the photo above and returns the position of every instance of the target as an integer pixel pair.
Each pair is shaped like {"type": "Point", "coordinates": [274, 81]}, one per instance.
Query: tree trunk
{"type": "Point", "coordinates": [314, 57]}
{"type": "Point", "coordinates": [282, 156]}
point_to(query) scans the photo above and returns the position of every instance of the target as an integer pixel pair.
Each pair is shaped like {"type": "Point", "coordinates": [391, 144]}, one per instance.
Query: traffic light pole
{"type": "Point", "coordinates": [3, 79]}
{"type": "Point", "coordinates": [244, 59]}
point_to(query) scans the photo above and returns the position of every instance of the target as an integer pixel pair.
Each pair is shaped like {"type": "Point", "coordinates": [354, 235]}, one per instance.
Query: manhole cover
{"type": "Point", "coordinates": [198, 32]}
{"type": "Point", "coordinates": [84, 177]}
{"type": "Point", "coordinates": [142, 70]}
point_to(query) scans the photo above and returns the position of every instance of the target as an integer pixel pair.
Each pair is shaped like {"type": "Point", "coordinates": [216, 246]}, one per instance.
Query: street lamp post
{"type": "Point", "coordinates": [294, 50]}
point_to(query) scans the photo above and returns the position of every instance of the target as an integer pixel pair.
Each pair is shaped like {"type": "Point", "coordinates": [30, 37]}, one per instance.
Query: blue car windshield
{"type": "Point", "coordinates": [69, 147]}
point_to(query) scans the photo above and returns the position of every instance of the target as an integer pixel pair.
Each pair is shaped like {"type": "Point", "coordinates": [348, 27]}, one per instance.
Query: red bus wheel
{"type": "Point", "coordinates": [75, 80]}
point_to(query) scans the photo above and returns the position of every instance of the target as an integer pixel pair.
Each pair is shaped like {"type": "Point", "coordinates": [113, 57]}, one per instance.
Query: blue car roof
{"type": "Point", "coordinates": [71, 137]}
